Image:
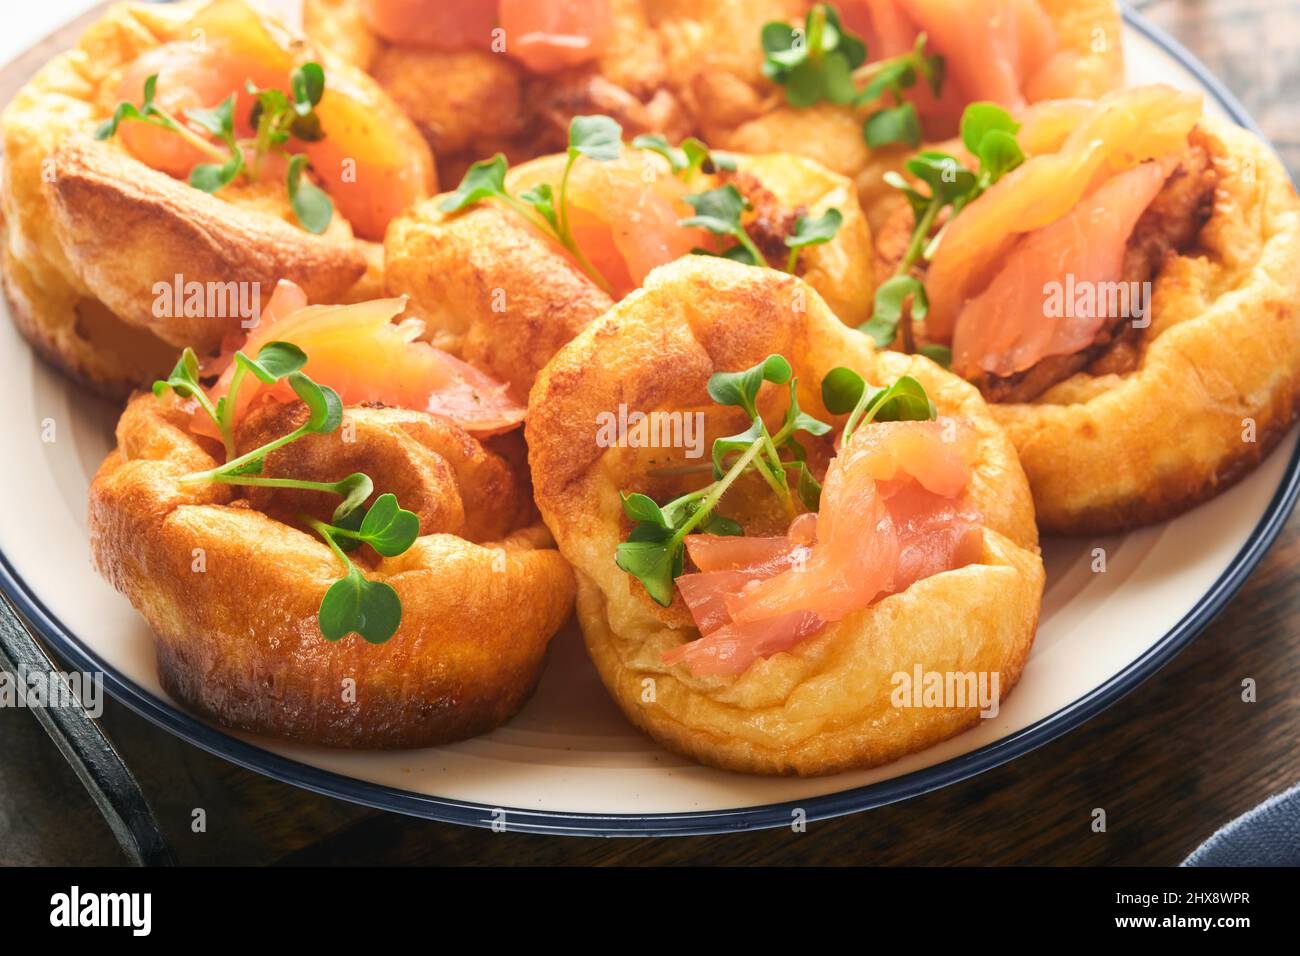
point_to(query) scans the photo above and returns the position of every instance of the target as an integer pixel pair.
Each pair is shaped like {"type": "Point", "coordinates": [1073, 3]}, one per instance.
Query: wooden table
{"type": "Point", "coordinates": [1170, 763]}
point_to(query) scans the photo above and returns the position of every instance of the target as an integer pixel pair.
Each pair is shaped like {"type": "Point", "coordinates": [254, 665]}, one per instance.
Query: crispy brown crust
{"type": "Point", "coordinates": [1108, 453]}
{"type": "Point", "coordinates": [238, 639]}
{"type": "Point", "coordinates": [126, 227]}
{"type": "Point", "coordinates": [489, 288]}
{"type": "Point", "coordinates": [825, 705]}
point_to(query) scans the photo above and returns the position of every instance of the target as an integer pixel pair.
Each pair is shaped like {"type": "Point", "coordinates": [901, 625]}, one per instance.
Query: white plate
{"type": "Point", "coordinates": [570, 762]}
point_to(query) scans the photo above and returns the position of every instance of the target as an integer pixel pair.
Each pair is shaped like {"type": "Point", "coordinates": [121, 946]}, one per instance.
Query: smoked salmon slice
{"type": "Point", "coordinates": [1006, 328]}
{"type": "Point", "coordinates": [364, 356]}
{"type": "Point", "coordinates": [371, 169]}
{"type": "Point", "coordinates": [893, 511]}
{"type": "Point", "coordinates": [551, 35]}
{"type": "Point", "coordinates": [546, 36]}
{"type": "Point", "coordinates": [1122, 130]}
{"type": "Point", "coordinates": [991, 47]}
{"type": "Point", "coordinates": [446, 25]}
{"type": "Point", "coordinates": [623, 220]}
{"type": "Point", "coordinates": [1005, 51]}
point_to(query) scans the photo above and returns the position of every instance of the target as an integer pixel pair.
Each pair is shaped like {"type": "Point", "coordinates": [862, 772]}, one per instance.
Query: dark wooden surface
{"type": "Point", "coordinates": [1175, 759]}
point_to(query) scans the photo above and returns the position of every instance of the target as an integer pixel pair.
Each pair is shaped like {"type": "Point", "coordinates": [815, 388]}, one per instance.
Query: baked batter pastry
{"type": "Point", "coordinates": [778, 650]}
{"type": "Point", "coordinates": [1126, 299]}
{"type": "Point", "coordinates": [357, 564]}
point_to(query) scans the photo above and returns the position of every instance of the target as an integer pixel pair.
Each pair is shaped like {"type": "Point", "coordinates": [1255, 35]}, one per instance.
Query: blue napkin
{"type": "Point", "coordinates": [1269, 835]}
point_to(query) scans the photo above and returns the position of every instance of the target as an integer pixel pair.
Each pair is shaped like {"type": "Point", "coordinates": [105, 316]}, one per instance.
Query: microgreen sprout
{"type": "Point", "coordinates": [844, 391]}
{"type": "Point", "coordinates": [899, 123]}
{"type": "Point", "coordinates": [353, 603]}
{"type": "Point", "coordinates": [275, 117]}
{"type": "Point", "coordinates": [815, 63]}
{"type": "Point", "coordinates": [687, 160]}
{"type": "Point", "coordinates": [823, 62]}
{"type": "Point", "coordinates": [988, 132]}
{"type": "Point", "coordinates": [597, 138]}
{"type": "Point", "coordinates": [811, 231]}
{"type": "Point", "coordinates": [654, 550]}
{"type": "Point", "coordinates": [720, 211]}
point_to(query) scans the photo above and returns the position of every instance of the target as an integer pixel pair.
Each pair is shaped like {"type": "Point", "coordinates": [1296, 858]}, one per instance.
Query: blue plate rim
{"type": "Point", "coordinates": [515, 819]}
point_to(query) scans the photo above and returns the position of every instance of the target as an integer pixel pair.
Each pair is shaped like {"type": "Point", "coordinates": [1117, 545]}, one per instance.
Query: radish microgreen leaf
{"type": "Point", "coordinates": [812, 231]}
{"type": "Point", "coordinates": [654, 550]}
{"type": "Point", "coordinates": [355, 604]}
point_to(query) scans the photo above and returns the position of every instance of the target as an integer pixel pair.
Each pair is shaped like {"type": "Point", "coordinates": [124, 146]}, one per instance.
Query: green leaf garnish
{"type": "Point", "coordinates": [485, 179]}
{"type": "Point", "coordinates": [275, 119]}
{"type": "Point", "coordinates": [310, 204]}
{"type": "Point", "coordinates": [389, 528]}
{"type": "Point", "coordinates": [811, 231]}
{"type": "Point", "coordinates": [654, 550]}
{"type": "Point", "coordinates": [323, 403]}
{"type": "Point", "coordinates": [655, 143]}
{"type": "Point", "coordinates": [184, 377]}
{"type": "Point", "coordinates": [274, 361]}
{"type": "Point", "coordinates": [596, 137]}
{"type": "Point", "coordinates": [219, 121]}
{"type": "Point", "coordinates": [814, 64]}
{"type": "Point", "coordinates": [542, 198]}
{"type": "Point", "coordinates": [146, 112]}
{"type": "Point", "coordinates": [308, 85]}
{"type": "Point", "coordinates": [845, 391]}
{"type": "Point", "coordinates": [355, 489]}
{"type": "Point", "coordinates": [808, 488]}
{"type": "Point", "coordinates": [818, 65]}
{"type": "Point", "coordinates": [890, 298]}
{"type": "Point", "coordinates": [988, 132]}
{"type": "Point", "coordinates": [941, 355]}
{"type": "Point", "coordinates": [899, 123]}
{"type": "Point", "coordinates": [893, 124]}
{"type": "Point", "coordinates": [691, 158]}
{"type": "Point", "coordinates": [720, 211]}
{"type": "Point", "coordinates": [730, 444]}
{"type": "Point", "coordinates": [841, 389]}
{"type": "Point", "coordinates": [210, 177]}
{"type": "Point", "coordinates": [641, 507]}
{"type": "Point", "coordinates": [740, 389]}
{"type": "Point", "coordinates": [654, 563]}
{"type": "Point", "coordinates": [355, 604]}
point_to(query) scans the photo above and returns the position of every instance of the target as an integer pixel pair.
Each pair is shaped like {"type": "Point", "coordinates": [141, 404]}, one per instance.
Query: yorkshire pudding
{"type": "Point", "coordinates": [1216, 381]}
{"type": "Point", "coordinates": [715, 62]}
{"type": "Point", "coordinates": [825, 704]}
{"type": "Point", "coordinates": [231, 589]}
{"type": "Point", "coordinates": [1130, 401]}
{"type": "Point", "coordinates": [495, 290]}
{"type": "Point", "coordinates": [97, 241]}
{"type": "Point", "coordinates": [474, 77]}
